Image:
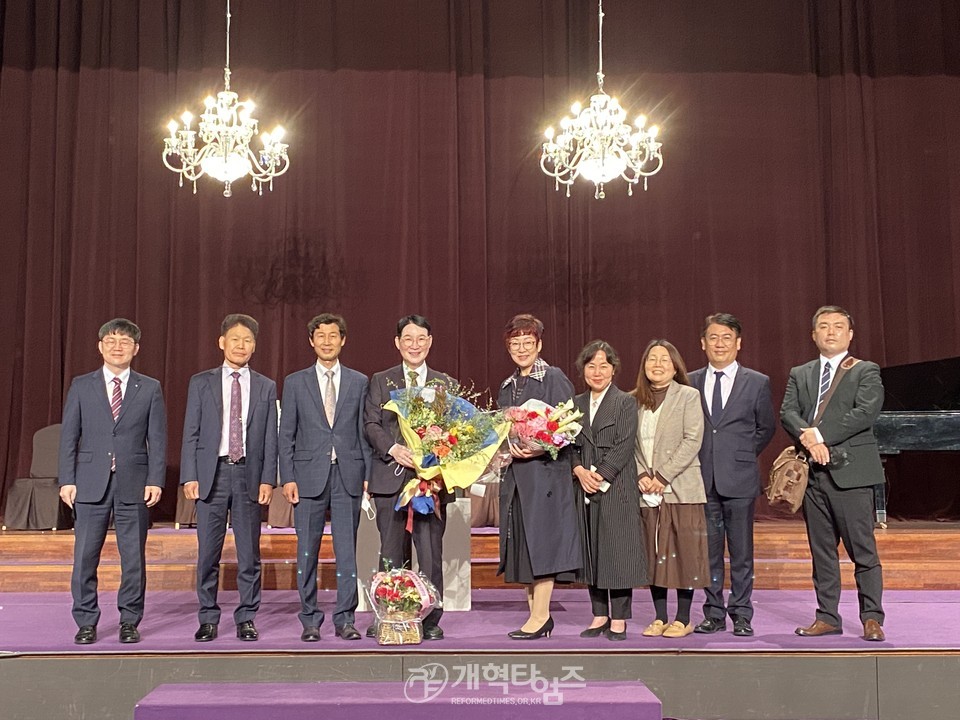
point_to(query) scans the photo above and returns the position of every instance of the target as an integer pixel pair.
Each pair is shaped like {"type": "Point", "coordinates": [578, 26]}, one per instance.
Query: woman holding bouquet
{"type": "Point", "coordinates": [673, 499]}
{"type": "Point", "coordinates": [607, 496]}
{"type": "Point", "coordinates": [539, 543]}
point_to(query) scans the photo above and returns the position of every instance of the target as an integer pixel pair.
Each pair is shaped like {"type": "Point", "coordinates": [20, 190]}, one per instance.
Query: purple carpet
{"type": "Point", "coordinates": [40, 623]}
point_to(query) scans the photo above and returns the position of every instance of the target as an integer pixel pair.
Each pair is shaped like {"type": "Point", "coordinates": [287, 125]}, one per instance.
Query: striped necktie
{"type": "Point", "coordinates": [824, 386]}
{"type": "Point", "coordinates": [116, 399]}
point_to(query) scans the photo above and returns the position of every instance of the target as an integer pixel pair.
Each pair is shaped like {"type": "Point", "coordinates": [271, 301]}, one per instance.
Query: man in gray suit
{"type": "Point", "coordinates": [228, 462]}
{"type": "Point", "coordinates": [113, 459]}
{"type": "Point", "coordinates": [844, 467]}
{"type": "Point", "coordinates": [324, 461]}
{"type": "Point", "coordinates": [739, 424]}
{"type": "Point", "coordinates": [393, 466]}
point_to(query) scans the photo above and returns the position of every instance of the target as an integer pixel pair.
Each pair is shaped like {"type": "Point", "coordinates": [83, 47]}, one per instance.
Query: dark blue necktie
{"type": "Point", "coordinates": [716, 406]}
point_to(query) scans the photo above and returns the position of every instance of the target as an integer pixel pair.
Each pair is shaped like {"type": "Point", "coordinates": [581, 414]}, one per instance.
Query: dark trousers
{"type": "Point", "coordinates": [833, 514]}
{"type": "Point", "coordinates": [614, 604]}
{"type": "Point", "coordinates": [427, 539]}
{"type": "Point", "coordinates": [90, 532]}
{"type": "Point", "coordinates": [730, 523]}
{"type": "Point", "coordinates": [229, 493]}
{"type": "Point", "coordinates": [309, 518]}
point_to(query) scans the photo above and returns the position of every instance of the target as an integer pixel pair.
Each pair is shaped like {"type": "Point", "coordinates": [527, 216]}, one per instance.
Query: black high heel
{"type": "Point", "coordinates": [597, 631]}
{"type": "Point", "coordinates": [536, 634]}
{"type": "Point", "coordinates": [622, 635]}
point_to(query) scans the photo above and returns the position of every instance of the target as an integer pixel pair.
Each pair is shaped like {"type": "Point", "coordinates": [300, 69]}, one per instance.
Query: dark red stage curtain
{"type": "Point", "coordinates": [812, 155]}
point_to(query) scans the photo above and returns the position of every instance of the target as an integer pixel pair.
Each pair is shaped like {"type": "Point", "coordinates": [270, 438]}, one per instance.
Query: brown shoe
{"type": "Point", "coordinates": [873, 631]}
{"type": "Point", "coordinates": [819, 628]}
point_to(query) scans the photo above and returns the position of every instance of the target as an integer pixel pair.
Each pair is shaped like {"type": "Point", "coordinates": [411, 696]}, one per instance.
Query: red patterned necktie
{"type": "Point", "coordinates": [235, 449]}
{"type": "Point", "coordinates": [115, 399]}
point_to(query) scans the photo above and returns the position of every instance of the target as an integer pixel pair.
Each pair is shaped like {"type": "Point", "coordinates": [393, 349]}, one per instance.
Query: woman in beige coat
{"type": "Point", "coordinates": [670, 430]}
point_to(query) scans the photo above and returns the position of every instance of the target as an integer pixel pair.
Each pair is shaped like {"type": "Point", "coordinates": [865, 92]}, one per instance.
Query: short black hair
{"type": "Point", "coordinates": [120, 326]}
{"type": "Point", "coordinates": [592, 348]}
{"type": "Point", "coordinates": [327, 319]}
{"type": "Point", "coordinates": [827, 309]}
{"type": "Point", "coordinates": [418, 320]}
{"type": "Point", "coordinates": [235, 319]}
{"type": "Point", "coordinates": [725, 319]}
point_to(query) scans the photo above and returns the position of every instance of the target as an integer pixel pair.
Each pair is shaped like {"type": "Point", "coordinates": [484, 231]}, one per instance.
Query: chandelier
{"type": "Point", "coordinates": [597, 144]}
{"type": "Point", "coordinates": [226, 128]}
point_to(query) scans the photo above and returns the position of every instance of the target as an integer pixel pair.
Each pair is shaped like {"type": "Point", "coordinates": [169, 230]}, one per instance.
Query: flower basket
{"type": "Point", "coordinates": [400, 628]}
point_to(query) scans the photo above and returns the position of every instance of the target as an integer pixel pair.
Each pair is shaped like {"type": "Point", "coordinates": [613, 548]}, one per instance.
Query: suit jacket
{"type": "Point", "coordinates": [307, 440]}
{"type": "Point", "coordinates": [847, 422]}
{"type": "Point", "coordinates": [90, 439]}
{"type": "Point", "coordinates": [728, 455]}
{"type": "Point", "coordinates": [383, 430]}
{"type": "Point", "coordinates": [203, 425]}
{"type": "Point", "coordinates": [676, 445]}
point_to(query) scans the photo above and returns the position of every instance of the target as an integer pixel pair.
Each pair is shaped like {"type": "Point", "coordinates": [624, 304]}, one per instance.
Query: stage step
{"type": "Point", "coordinates": [559, 700]}
{"type": "Point", "coordinates": [914, 556]}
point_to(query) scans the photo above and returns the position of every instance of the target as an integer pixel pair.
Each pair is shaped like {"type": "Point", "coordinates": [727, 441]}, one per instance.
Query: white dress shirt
{"type": "Point", "coordinates": [834, 366]}
{"type": "Point", "coordinates": [420, 371]}
{"type": "Point", "coordinates": [595, 402]}
{"type": "Point", "coordinates": [226, 385]}
{"type": "Point", "coordinates": [726, 384]}
{"type": "Point", "coordinates": [108, 377]}
{"type": "Point", "coordinates": [322, 380]}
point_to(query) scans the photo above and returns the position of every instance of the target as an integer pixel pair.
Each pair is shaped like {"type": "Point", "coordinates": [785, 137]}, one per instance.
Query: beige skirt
{"type": "Point", "coordinates": [675, 539]}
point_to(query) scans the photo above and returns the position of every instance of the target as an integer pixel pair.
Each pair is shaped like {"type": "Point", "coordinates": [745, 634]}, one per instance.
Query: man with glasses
{"type": "Point", "coordinates": [113, 453]}
{"type": "Point", "coordinates": [393, 466]}
{"type": "Point", "coordinates": [739, 424]}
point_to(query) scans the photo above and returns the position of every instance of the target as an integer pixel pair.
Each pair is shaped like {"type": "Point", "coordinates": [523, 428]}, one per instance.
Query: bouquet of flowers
{"type": "Point", "coordinates": [400, 599]}
{"type": "Point", "coordinates": [451, 441]}
{"type": "Point", "coordinates": [538, 426]}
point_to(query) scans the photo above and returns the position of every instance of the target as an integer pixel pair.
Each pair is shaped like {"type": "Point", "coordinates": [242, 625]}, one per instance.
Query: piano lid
{"type": "Point", "coordinates": [932, 386]}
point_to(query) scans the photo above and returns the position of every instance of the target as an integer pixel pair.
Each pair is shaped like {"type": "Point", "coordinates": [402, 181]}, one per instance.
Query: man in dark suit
{"type": "Point", "coordinates": [739, 423]}
{"type": "Point", "coordinates": [393, 467]}
{"type": "Point", "coordinates": [113, 458]}
{"type": "Point", "coordinates": [228, 462]}
{"type": "Point", "coordinates": [844, 467]}
{"type": "Point", "coordinates": [324, 461]}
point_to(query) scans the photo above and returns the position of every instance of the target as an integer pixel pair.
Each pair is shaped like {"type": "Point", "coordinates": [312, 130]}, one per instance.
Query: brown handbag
{"type": "Point", "coordinates": [790, 472]}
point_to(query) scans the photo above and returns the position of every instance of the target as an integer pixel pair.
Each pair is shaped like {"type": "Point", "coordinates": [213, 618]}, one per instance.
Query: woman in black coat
{"type": "Point", "coordinates": [607, 496]}
{"type": "Point", "coordinates": [539, 542]}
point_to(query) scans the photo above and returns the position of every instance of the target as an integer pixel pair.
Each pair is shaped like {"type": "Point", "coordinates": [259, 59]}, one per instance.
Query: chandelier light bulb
{"type": "Point", "coordinates": [187, 118]}
{"type": "Point", "coordinates": [278, 133]}
{"type": "Point", "coordinates": [209, 102]}
{"type": "Point", "coordinates": [640, 121]}
{"type": "Point", "coordinates": [576, 108]}
{"type": "Point", "coordinates": [548, 133]}
{"type": "Point", "coordinates": [653, 131]}
{"type": "Point", "coordinates": [173, 127]}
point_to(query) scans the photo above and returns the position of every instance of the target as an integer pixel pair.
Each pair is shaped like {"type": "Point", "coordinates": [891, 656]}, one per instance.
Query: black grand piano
{"type": "Point", "coordinates": [921, 412]}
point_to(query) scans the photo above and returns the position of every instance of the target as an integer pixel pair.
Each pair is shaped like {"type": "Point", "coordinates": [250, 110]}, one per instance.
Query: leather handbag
{"type": "Point", "coordinates": [790, 472]}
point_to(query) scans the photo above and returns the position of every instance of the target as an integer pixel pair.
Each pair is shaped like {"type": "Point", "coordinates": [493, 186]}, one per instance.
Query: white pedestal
{"type": "Point", "coordinates": [456, 557]}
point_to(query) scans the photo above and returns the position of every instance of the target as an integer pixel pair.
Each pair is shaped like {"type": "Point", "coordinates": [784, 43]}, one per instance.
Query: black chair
{"type": "Point", "coordinates": [33, 503]}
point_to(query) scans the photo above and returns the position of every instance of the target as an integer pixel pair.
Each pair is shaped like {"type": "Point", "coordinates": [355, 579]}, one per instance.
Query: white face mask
{"type": "Point", "coordinates": [367, 507]}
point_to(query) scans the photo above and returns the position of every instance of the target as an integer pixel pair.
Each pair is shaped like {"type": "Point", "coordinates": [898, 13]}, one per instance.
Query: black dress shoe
{"type": "Point", "coordinates": [86, 635]}
{"type": "Point", "coordinates": [433, 633]}
{"type": "Point", "coordinates": [310, 634]}
{"type": "Point", "coordinates": [742, 626]}
{"type": "Point", "coordinates": [597, 631]}
{"type": "Point", "coordinates": [543, 631]}
{"type": "Point", "coordinates": [711, 625]}
{"type": "Point", "coordinates": [129, 633]}
{"type": "Point", "coordinates": [247, 631]}
{"type": "Point", "coordinates": [622, 635]}
{"type": "Point", "coordinates": [206, 633]}
{"type": "Point", "coordinates": [348, 632]}
{"type": "Point", "coordinates": [372, 630]}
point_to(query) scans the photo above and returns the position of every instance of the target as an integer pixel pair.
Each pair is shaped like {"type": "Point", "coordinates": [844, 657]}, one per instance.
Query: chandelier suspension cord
{"type": "Point", "coordinates": [226, 68]}
{"type": "Point", "coordinates": [600, 43]}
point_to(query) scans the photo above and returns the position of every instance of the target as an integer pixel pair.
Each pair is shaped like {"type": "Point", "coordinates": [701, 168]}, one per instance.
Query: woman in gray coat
{"type": "Point", "coordinates": [539, 544]}
{"type": "Point", "coordinates": [607, 496]}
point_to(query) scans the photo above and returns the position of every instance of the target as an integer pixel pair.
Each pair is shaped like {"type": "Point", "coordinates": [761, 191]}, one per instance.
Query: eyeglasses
{"type": "Point", "coordinates": [721, 339]}
{"type": "Point", "coordinates": [515, 345]}
{"type": "Point", "coordinates": [420, 340]}
{"type": "Point", "coordinates": [112, 342]}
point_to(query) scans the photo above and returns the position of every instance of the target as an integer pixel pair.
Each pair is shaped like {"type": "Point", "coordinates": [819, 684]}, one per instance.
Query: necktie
{"type": "Point", "coordinates": [330, 405]}
{"type": "Point", "coordinates": [824, 385]}
{"type": "Point", "coordinates": [116, 399]}
{"type": "Point", "coordinates": [235, 447]}
{"type": "Point", "coordinates": [716, 404]}
{"type": "Point", "coordinates": [414, 378]}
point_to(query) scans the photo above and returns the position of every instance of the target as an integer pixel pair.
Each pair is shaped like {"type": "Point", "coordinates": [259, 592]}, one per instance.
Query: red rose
{"type": "Point", "coordinates": [452, 439]}
{"type": "Point", "coordinates": [421, 431]}
{"type": "Point", "coordinates": [553, 426]}
{"type": "Point", "coordinates": [543, 436]}
{"type": "Point", "coordinates": [532, 415]}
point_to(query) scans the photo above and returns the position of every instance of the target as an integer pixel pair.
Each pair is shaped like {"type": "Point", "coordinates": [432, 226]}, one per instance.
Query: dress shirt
{"type": "Point", "coordinates": [595, 402]}
{"type": "Point", "coordinates": [834, 366]}
{"type": "Point", "coordinates": [322, 379]}
{"type": "Point", "coordinates": [108, 377]}
{"type": "Point", "coordinates": [226, 385]}
{"type": "Point", "coordinates": [710, 377]}
{"type": "Point", "coordinates": [420, 371]}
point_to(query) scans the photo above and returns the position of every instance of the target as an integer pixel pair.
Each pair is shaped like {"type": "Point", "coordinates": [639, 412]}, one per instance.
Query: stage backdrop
{"type": "Point", "coordinates": [812, 153]}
